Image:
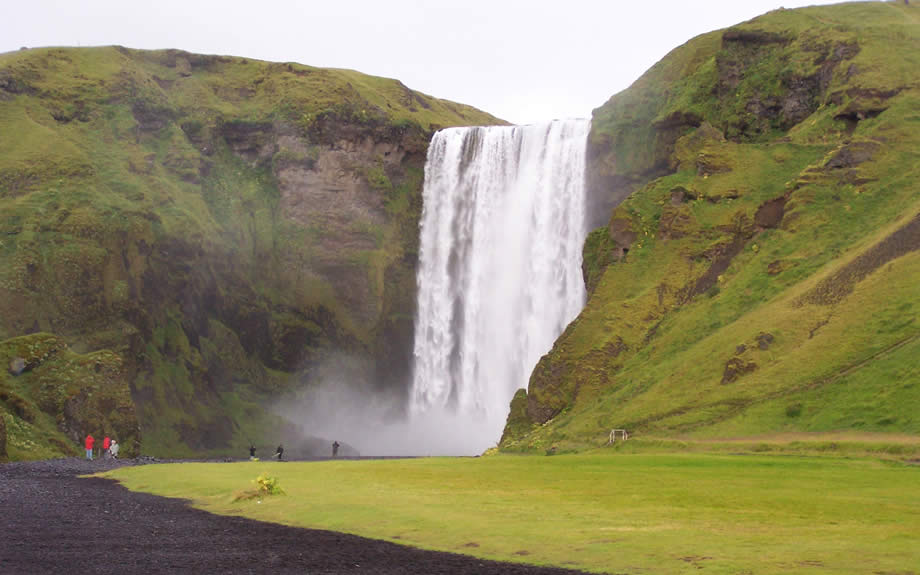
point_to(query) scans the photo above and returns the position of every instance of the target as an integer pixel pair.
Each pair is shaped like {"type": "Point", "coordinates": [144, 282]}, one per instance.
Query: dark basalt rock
{"type": "Point", "coordinates": [837, 287]}
{"type": "Point", "coordinates": [852, 155]}
{"type": "Point", "coordinates": [681, 195]}
{"type": "Point", "coordinates": [623, 236]}
{"type": "Point", "coordinates": [770, 214]}
{"type": "Point", "coordinates": [801, 95]}
{"type": "Point", "coordinates": [251, 140]}
{"type": "Point", "coordinates": [736, 368]}
{"type": "Point", "coordinates": [753, 37]}
{"type": "Point", "coordinates": [861, 103]}
{"type": "Point", "coordinates": [151, 117]}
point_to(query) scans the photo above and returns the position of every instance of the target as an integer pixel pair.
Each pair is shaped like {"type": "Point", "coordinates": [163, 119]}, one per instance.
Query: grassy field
{"type": "Point", "coordinates": [637, 513]}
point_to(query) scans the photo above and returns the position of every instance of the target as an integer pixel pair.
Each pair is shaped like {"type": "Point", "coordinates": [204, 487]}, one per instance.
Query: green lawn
{"type": "Point", "coordinates": [642, 513]}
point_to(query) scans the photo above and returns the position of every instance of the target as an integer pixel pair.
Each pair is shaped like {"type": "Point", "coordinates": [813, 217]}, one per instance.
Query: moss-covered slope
{"type": "Point", "coordinates": [53, 397]}
{"type": "Point", "coordinates": [217, 225]}
{"type": "Point", "coordinates": [763, 274]}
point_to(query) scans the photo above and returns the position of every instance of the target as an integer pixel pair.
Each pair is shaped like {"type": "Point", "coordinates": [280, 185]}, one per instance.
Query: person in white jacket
{"type": "Point", "coordinates": [113, 449]}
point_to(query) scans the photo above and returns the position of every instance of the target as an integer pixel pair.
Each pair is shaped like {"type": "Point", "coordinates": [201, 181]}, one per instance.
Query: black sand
{"type": "Point", "coordinates": [52, 521]}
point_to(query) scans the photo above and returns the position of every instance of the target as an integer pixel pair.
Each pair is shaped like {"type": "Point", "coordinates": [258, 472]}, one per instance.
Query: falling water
{"type": "Point", "coordinates": [500, 267]}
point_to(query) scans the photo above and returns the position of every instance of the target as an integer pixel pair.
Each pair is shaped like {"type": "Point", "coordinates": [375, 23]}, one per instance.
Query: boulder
{"type": "Point", "coordinates": [17, 365]}
{"type": "Point", "coordinates": [681, 195]}
{"type": "Point", "coordinates": [853, 155]}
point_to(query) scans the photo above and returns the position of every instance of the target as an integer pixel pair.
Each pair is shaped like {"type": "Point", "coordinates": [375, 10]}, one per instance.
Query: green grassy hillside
{"type": "Point", "coordinates": [763, 274]}
{"type": "Point", "coordinates": [217, 225]}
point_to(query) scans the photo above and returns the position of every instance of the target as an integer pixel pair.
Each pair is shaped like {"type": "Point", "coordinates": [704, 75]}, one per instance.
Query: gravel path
{"type": "Point", "coordinates": [51, 521]}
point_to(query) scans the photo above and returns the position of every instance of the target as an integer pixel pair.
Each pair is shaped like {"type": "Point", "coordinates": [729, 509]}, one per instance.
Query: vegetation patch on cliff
{"type": "Point", "coordinates": [51, 398]}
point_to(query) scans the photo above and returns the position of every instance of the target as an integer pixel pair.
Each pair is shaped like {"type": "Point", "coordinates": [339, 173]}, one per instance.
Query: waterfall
{"type": "Point", "coordinates": [499, 278]}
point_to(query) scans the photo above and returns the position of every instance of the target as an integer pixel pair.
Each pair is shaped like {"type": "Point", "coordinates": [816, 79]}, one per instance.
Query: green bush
{"type": "Point", "coordinates": [268, 485]}
{"type": "Point", "coordinates": [265, 486]}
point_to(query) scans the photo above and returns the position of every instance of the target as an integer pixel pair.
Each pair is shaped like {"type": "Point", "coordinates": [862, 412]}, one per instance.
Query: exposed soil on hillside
{"type": "Point", "coordinates": [835, 288]}
{"type": "Point", "coordinates": [52, 521]}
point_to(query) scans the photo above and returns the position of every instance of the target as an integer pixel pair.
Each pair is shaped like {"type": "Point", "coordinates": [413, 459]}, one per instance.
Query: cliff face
{"type": "Point", "coordinates": [218, 226]}
{"type": "Point", "coordinates": [759, 271]}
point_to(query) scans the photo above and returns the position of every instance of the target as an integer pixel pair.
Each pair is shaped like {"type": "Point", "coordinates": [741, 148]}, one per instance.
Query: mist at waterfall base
{"type": "Point", "coordinates": [499, 278]}
{"type": "Point", "coordinates": [345, 408]}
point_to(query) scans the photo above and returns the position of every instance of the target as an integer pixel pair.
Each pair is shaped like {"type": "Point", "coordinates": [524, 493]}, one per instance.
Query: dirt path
{"type": "Point", "coordinates": [51, 521]}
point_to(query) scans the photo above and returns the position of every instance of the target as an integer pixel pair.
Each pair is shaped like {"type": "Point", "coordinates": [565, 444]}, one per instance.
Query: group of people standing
{"type": "Point", "coordinates": [279, 453]}
{"type": "Point", "coordinates": [110, 447]}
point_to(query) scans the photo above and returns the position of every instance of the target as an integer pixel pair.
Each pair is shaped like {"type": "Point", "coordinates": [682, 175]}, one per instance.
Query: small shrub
{"type": "Point", "coordinates": [794, 410]}
{"type": "Point", "coordinates": [269, 485]}
{"type": "Point", "coordinates": [265, 486]}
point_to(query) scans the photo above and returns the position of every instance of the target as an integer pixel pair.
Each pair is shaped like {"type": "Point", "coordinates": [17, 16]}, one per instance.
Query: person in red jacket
{"type": "Point", "coordinates": [89, 447]}
{"type": "Point", "coordinates": [106, 442]}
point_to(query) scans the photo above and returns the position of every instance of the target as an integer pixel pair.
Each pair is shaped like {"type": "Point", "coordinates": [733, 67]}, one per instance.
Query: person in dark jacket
{"type": "Point", "coordinates": [89, 447]}
{"type": "Point", "coordinates": [252, 452]}
{"type": "Point", "coordinates": [279, 453]}
{"type": "Point", "coordinates": [335, 448]}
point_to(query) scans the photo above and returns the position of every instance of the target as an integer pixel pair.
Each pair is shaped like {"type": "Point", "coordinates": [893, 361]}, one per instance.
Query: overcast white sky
{"type": "Point", "coordinates": [521, 60]}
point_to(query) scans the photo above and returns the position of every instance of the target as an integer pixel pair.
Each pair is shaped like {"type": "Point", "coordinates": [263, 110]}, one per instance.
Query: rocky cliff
{"type": "Point", "coordinates": [760, 267]}
{"type": "Point", "coordinates": [183, 237]}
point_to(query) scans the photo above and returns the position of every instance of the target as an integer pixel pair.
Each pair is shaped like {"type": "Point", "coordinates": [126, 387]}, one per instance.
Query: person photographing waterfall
{"type": "Point", "coordinates": [335, 449]}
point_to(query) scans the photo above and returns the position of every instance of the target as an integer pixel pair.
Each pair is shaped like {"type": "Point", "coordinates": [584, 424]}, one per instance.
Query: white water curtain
{"type": "Point", "coordinates": [499, 277]}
